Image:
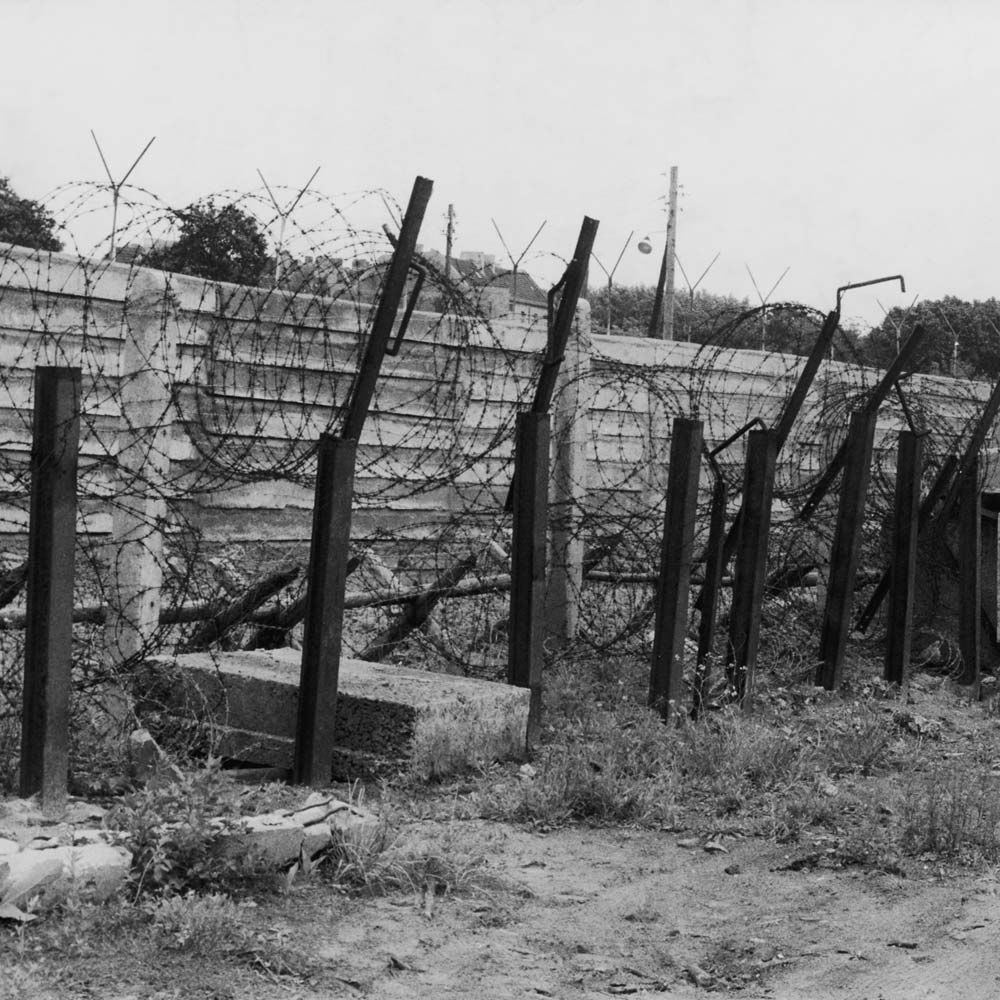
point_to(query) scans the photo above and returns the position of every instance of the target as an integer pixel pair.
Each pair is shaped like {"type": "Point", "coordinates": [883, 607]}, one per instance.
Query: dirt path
{"type": "Point", "coordinates": [605, 912]}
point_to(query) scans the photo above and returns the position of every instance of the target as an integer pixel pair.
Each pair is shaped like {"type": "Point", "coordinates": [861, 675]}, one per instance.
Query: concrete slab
{"type": "Point", "coordinates": [388, 717]}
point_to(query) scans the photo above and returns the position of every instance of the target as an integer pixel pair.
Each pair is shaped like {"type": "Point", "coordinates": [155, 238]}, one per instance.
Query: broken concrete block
{"type": "Point", "coordinates": [149, 764]}
{"type": "Point", "coordinates": [30, 873]}
{"type": "Point", "coordinates": [274, 838]}
{"type": "Point", "coordinates": [98, 869]}
{"type": "Point", "coordinates": [94, 869]}
{"type": "Point", "coordinates": [387, 717]}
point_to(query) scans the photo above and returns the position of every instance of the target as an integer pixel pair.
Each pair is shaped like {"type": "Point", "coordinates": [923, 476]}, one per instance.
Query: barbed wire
{"type": "Point", "coordinates": [205, 439]}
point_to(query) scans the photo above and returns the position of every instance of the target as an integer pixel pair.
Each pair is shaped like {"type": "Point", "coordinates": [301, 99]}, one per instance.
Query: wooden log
{"type": "Point", "coordinates": [274, 625]}
{"type": "Point", "coordinates": [237, 611]}
{"type": "Point", "coordinates": [12, 583]}
{"type": "Point", "coordinates": [416, 612]}
{"type": "Point", "coordinates": [48, 642]}
{"type": "Point", "coordinates": [670, 631]}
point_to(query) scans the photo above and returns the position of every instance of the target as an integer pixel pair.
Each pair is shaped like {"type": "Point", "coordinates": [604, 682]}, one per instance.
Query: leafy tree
{"type": "Point", "coordinates": [974, 326]}
{"type": "Point", "coordinates": [220, 243]}
{"type": "Point", "coordinates": [705, 318]}
{"type": "Point", "coordinates": [632, 305]}
{"type": "Point", "coordinates": [25, 222]}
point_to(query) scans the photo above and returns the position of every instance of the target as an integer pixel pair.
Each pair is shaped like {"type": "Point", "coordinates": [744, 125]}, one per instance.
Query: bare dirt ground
{"type": "Point", "coordinates": [604, 912]}
{"type": "Point", "coordinates": [586, 911]}
{"type": "Point", "coordinates": [595, 913]}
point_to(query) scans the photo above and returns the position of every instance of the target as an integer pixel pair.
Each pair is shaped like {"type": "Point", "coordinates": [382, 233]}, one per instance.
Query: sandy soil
{"type": "Point", "coordinates": [593, 913]}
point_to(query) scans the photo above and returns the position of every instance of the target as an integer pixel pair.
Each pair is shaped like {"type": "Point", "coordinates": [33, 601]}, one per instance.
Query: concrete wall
{"type": "Point", "coordinates": [251, 377]}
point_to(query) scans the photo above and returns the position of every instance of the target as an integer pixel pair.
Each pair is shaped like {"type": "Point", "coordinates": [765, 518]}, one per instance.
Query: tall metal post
{"type": "Point", "coordinates": [969, 579]}
{"type": "Point", "coordinates": [751, 563]}
{"type": "Point", "coordinates": [324, 620]}
{"type": "Point", "coordinates": [673, 590]}
{"type": "Point", "coordinates": [49, 630]}
{"type": "Point", "coordinates": [906, 513]}
{"type": "Point", "coordinates": [527, 596]}
{"type": "Point", "coordinates": [846, 547]}
{"type": "Point", "coordinates": [319, 673]}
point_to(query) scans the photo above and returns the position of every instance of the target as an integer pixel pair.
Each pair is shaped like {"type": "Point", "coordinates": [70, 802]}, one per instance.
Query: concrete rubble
{"type": "Point", "coordinates": [42, 860]}
{"type": "Point", "coordinates": [285, 835]}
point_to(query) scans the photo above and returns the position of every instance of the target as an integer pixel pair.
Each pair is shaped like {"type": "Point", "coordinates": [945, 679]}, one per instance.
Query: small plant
{"type": "Point", "coordinates": [173, 832]}
{"type": "Point", "coordinates": [952, 811]}
{"type": "Point", "coordinates": [201, 925]}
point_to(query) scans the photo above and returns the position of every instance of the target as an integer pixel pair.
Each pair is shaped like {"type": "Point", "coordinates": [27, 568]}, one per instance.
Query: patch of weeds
{"type": "Point", "coordinates": [204, 925]}
{"type": "Point", "coordinates": [174, 832]}
{"type": "Point", "coordinates": [951, 811]}
{"type": "Point", "coordinates": [731, 755]}
{"type": "Point", "coordinates": [804, 809]}
{"type": "Point", "coordinates": [609, 766]}
{"type": "Point", "coordinates": [859, 742]}
{"type": "Point", "coordinates": [373, 861]}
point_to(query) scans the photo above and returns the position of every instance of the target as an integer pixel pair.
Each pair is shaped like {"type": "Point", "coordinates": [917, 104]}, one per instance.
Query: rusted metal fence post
{"type": "Point", "coordinates": [527, 597]}
{"type": "Point", "coordinates": [324, 620]}
{"type": "Point", "coordinates": [846, 547]}
{"type": "Point", "coordinates": [710, 591]}
{"type": "Point", "coordinates": [751, 563]}
{"type": "Point", "coordinates": [666, 672]}
{"type": "Point", "coordinates": [969, 580]}
{"type": "Point", "coordinates": [49, 627]}
{"type": "Point", "coordinates": [902, 575]}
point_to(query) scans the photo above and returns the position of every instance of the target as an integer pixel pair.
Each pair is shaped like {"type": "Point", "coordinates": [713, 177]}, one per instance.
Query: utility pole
{"type": "Point", "coordinates": [662, 321]}
{"type": "Point", "coordinates": [449, 232]}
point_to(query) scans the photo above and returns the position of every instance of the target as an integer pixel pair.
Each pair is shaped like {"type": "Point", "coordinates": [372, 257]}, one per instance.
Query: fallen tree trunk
{"type": "Point", "coordinates": [416, 612]}
{"type": "Point", "coordinates": [274, 625]}
{"type": "Point", "coordinates": [235, 612]}
{"type": "Point", "coordinates": [12, 583]}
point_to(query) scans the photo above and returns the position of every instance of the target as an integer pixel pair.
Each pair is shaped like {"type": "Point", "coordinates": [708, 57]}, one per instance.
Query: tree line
{"type": "Point", "coordinates": [225, 243]}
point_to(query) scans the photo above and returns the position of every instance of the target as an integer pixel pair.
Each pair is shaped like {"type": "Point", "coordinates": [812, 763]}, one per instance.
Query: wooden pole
{"type": "Point", "coordinates": [668, 291]}
{"type": "Point", "coordinates": [751, 563]}
{"type": "Point", "coordinates": [673, 591]}
{"type": "Point", "coordinates": [527, 599]}
{"type": "Point", "coordinates": [51, 543]}
{"type": "Point", "coordinates": [969, 580]}
{"type": "Point", "coordinates": [846, 547]}
{"type": "Point", "coordinates": [906, 513]}
{"type": "Point", "coordinates": [324, 621]}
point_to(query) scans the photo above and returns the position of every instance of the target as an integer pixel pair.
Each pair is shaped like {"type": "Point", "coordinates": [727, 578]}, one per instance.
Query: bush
{"type": "Point", "coordinates": [174, 830]}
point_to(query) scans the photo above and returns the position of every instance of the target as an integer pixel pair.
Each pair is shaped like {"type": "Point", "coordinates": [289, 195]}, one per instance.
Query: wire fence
{"type": "Point", "coordinates": [202, 404]}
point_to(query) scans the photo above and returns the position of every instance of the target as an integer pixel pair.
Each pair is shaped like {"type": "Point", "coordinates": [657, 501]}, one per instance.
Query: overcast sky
{"type": "Point", "coordinates": [844, 139]}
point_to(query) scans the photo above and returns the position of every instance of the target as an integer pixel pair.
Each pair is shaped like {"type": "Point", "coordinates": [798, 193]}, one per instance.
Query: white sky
{"type": "Point", "coordinates": [846, 139]}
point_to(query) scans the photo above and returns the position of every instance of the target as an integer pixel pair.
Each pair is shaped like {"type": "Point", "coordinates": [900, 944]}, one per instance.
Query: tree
{"type": "Point", "coordinates": [962, 338]}
{"type": "Point", "coordinates": [221, 244]}
{"type": "Point", "coordinates": [25, 222]}
{"type": "Point", "coordinates": [632, 306]}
